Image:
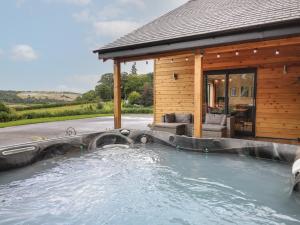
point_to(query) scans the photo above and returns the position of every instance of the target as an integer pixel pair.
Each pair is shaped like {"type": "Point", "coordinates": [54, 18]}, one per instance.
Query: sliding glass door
{"type": "Point", "coordinates": [216, 91]}
{"type": "Point", "coordinates": [232, 92]}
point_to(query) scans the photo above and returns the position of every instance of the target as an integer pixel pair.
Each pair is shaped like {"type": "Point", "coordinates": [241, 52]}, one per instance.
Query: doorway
{"type": "Point", "coordinates": [233, 92]}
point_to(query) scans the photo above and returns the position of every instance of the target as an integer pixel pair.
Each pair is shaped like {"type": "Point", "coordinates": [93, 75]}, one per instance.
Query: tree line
{"type": "Point", "coordinates": [136, 89]}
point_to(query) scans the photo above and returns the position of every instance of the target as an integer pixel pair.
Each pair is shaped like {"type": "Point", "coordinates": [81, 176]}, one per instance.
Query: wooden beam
{"type": "Point", "coordinates": [253, 45]}
{"type": "Point", "coordinates": [198, 94]}
{"type": "Point", "coordinates": [154, 91]}
{"type": "Point", "coordinates": [153, 56]}
{"type": "Point", "coordinates": [117, 94]}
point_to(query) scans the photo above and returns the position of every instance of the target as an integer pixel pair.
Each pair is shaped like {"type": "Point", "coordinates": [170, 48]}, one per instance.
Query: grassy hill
{"type": "Point", "coordinates": [45, 95]}
{"type": "Point", "coordinates": [29, 97]}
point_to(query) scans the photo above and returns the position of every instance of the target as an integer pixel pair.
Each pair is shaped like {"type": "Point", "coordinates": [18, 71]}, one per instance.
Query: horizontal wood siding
{"type": "Point", "coordinates": [278, 94]}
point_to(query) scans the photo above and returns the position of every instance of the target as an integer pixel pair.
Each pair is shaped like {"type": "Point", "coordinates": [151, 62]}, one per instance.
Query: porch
{"type": "Point", "coordinates": [180, 84]}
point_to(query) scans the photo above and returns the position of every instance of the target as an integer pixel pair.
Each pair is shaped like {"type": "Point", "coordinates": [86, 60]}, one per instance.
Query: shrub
{"type": "Point", "coordinates": [100, 105]}
{"type": "Point", "coordinates": [140, 110]}
{"type": "Point", "coordinates": [4, 108]}
{"type": "Point", "coordinates": [108, 107]}
{"type": "Point", "coordinates": [4, 116]}
{"type": "Point", "coordinates": [45, 106]}
{"type": "Point", "coordinates": [89, 96]}
{"type": "Point", "coordinates": [90, 108]}
{"type": "Point", "coordinates": [34, 115]}
{"type": "Point", "coordinates": [134, 98]}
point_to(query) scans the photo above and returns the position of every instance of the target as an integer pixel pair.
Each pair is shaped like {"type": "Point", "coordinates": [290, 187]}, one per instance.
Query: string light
{"type": "Point", "coordinates": [218, 56]}
{"type": "Point", "coordinates": [277, 52]}
{"type": "Point", "coordinates": [172, 60]}
{"type": "Point", "coordinates": [255, 51]}
{"type": "Point", "coordinates": [186, 59]}
{"type": "Point", "coordinates": [237, 53]}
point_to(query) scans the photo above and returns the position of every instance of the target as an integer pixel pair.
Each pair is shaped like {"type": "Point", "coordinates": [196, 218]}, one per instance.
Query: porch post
{"type": "Point", "coordinates": [198, 93]}
{"type": "Point", "coordinates": [117, 94]}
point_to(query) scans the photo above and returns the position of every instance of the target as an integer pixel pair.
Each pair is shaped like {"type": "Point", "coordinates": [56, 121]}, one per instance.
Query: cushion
{"type": "Point", "coordinates": [218, 119]}
{"type": "Point", "coordinates": [183, 118]}
{"type": "Point", "coordinates": [169, 125]}
{"type": "Point", "coordinates": [213, 127]}
{"type": "Point", "coordinates": [175, 128]}
{"type": "Point", "coordinates": [170, 118]}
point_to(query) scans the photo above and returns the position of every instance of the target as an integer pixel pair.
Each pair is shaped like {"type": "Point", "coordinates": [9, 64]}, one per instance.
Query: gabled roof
{"type": "Point", "coordinates": [207, 18]}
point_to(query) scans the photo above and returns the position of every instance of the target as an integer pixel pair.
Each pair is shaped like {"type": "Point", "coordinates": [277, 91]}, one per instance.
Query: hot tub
{"type": "Point", "coordinates": [142, 177]}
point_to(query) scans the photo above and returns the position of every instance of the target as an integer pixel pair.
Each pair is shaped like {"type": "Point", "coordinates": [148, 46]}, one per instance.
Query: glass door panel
{"type": "Point", "coordinates": [241, 102]}
{"type": "Point", "coordinates": [232, 92]}
{"type": "Point", "coordinates": [215, 94]}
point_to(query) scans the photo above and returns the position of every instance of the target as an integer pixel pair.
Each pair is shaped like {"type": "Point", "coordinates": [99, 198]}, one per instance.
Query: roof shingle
{"type": "Point", "coordinates": [203, 17]}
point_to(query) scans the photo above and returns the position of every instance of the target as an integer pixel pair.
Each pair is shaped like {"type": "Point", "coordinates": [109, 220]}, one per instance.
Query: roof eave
{"type": "Point", "coordinates": [204, 41]}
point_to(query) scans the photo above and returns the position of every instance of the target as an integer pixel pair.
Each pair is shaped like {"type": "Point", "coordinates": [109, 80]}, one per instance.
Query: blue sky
{"type": "Point", "coordinates": [47, 44]}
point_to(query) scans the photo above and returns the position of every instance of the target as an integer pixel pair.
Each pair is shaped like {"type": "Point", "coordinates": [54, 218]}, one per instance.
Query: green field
{"type": "Point", "coordinates": [51, 119]}
{"type": "Point", "coordinates": [59, 109]}
{"type": "Point", "coordinates": [51, 113]}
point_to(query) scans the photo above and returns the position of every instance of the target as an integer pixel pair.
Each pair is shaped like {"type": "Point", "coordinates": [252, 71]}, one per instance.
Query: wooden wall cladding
{"type": "Point", "coordinates": [278, 94]}
{"type": "Point", "coordinates": [278, 102]}
{"type": "Point", "coordinates": [174, 95]}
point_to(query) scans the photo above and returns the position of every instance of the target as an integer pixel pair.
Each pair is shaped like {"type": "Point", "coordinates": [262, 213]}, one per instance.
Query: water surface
{"type": "Point", "coordinates": [148, 185]}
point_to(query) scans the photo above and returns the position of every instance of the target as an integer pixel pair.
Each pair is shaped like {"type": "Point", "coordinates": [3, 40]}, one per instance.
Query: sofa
{"type": "Point", "coordinates": [218, 126]}
{"type": "Point", "coordinates": [175, 123]}
{"type": "Point", "coordinates": [214, 126]}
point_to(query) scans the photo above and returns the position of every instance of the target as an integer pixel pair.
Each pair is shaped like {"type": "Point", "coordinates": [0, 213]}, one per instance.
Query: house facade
{"type": "Point", "coordinates": [239, 58]}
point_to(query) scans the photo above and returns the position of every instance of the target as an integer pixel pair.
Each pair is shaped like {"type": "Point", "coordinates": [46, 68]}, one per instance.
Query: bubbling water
{"type": "Point", "coordinates": [151, 184]}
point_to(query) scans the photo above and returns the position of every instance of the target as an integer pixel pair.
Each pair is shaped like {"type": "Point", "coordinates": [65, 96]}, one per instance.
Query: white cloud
{"type": "Point", "coordinates": [90, 15]}
{"type": "Point", "coordinates": [114, 28]}
{"type": "Point", "coordinates": [23, 53]}
{"type": "Point", "coordinates": [119, 17]}
{"type": "Point", "coordinates": [1, 52]}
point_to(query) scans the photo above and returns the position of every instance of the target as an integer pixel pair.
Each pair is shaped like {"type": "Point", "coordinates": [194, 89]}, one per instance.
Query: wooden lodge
{"type": "Point", "coordinates": [235, 57]}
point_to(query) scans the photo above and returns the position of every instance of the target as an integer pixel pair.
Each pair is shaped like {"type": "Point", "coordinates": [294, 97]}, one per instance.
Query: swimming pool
{"type": "Point", "coordinates": [151, 183]}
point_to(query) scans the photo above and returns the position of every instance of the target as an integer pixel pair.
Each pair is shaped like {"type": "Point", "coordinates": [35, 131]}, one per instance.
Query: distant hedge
{"type": "Point", "coordinates": [45, 106]}
{"type": "Point", "coordinates": [6, 114]}
{"type": "Point", "coordinates": [6, 117]}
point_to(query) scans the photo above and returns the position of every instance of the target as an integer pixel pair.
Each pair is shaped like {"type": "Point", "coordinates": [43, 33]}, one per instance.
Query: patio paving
{"type": "Point", "coordinates": [36, 132]}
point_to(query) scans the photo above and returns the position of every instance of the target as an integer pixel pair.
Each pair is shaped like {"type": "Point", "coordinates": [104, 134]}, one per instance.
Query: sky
{"type": "Point", "coordinates": [46, 45]}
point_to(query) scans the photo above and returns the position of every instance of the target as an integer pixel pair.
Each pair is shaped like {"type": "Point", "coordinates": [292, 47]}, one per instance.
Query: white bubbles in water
{"type": "Point", "coordinates": [144, 140]}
